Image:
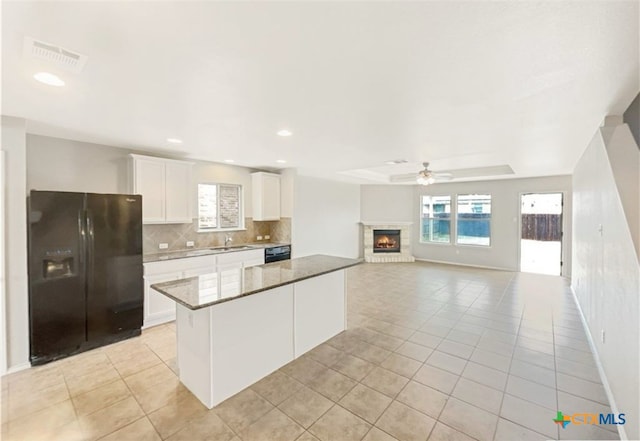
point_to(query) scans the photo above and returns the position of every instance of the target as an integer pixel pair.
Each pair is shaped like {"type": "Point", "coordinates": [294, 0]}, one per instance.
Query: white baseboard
{"type": "Point", "coordinates": [158, 320]}
{"type": "Point", "coordinates": [465, 264]}
{"type": "Point", "coordinates": [603, 376]}
{"type": "Point", "coordinates": [18, 368]}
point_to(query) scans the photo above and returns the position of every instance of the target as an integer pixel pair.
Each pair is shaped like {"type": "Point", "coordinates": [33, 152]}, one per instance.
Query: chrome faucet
{"type": "Point", "coordinates": [227, 240]}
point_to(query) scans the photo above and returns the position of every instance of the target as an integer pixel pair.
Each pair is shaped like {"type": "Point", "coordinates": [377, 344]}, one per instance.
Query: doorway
{"type": "Point", "coordinates": [541, 233]}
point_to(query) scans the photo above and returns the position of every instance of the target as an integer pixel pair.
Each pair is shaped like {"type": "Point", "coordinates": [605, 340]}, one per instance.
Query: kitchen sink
{"type": "Point", "coordinates": [232, 248]}
{"type": "Point", "coordinates": [198, 252]}
{"type": "Point", "coordinates": [222, 249]}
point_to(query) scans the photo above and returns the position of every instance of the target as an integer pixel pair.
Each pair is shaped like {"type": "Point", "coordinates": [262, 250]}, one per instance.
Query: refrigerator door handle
{"type": "Point", "coordinates": [89, 248]}
{"type": "Point", "coordinates": [81, 236]}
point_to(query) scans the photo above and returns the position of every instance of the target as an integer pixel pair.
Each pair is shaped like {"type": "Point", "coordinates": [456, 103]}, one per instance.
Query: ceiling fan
{"type": "Point", "coordinates": [423, 177]}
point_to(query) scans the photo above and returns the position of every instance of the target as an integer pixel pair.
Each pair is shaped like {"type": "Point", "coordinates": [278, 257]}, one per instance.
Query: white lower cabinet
{"type": "Point", "coordinates": [253, 258]}
{"type": "Point", "coordinates": [225, 348]}
{"type": "Point", "coordinates": [319, 309]}
{"type": "Point", "coordinates": [159, 309]}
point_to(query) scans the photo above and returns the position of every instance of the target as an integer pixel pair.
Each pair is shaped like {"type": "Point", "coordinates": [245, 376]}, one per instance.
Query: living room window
{"type": "Point", "coordinates": [435, 219]}
{"type": "Point", "coordinates": [473, 226]}
{"type": "Point", "coordinates": [220, 207]}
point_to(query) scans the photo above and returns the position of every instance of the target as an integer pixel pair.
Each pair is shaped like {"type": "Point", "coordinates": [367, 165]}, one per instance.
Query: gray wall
{"type": "Point", "coordinates": [65, 165]}
{"type": "Point", "coordinates": [624, 161]}
{"type": "Point", "coordinates": [606, 277]}
{"type": "Point", "coordinates": [387, 203]}
{"type": "Point", "coordinates": [16, 292]}
{"type": "Point", "coordinates": [402, 203]}
{"type": "Point", "coordinates": [326, 217]}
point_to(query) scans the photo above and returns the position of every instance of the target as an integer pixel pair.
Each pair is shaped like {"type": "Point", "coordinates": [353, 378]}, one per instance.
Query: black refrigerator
{"type": "Point", "coordinates": [85, 271]}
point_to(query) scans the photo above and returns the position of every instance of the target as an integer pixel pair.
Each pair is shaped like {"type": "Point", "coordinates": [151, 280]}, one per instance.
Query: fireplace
{"type": "Point", "coordinates": [386, 241]}
{"type": "Point", "coordinates": [383, 251]}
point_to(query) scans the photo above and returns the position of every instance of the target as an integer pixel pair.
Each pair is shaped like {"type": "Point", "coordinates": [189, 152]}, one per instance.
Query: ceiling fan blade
{"type": "Point", "coordinates": [440, 177]}
{"type": "Point", "coordinates": [406, 177]}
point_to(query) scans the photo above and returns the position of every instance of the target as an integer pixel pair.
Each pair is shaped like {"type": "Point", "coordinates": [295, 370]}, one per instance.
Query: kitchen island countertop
{"type": "Point", "coordinates": [225, 285]}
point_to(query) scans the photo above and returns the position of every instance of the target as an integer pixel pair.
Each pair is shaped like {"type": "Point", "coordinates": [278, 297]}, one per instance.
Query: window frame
{"type": "Point", "coordinates": [457, 219]}
{"type": "Point", "coordinates": [451, 218]}
{"type": "Point", "coordinates": [218, 228]}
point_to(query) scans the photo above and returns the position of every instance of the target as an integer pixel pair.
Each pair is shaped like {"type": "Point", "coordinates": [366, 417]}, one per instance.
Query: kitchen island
{"type": "Point", "coordinates": [237, 325]}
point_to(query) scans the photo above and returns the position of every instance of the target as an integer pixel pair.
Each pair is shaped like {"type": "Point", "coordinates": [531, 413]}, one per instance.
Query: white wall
{"type": "Point", "coordinates": [3, 291]}
{"type": "Point", "coordinates": [65, 165]}
{"type": "Point", "coordinates": [287, 183]}
{"type": "Point", "coordinates": [402, 203]}
{"type": "Point", "coordinates": [326, 217]}
{"type": "Point", "coordinates": [15, 239]}
{"type": "Point", "coordinates": [606, 277]}
{"type": "Point", "coordinates": [505, 222]}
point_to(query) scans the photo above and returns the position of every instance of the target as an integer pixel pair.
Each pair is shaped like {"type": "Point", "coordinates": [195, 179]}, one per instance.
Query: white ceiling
{"type": "Point", "coordinates": [460, 84]}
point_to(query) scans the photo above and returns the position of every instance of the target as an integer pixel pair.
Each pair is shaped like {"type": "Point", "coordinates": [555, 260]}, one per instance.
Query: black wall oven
{"type": "Point", "coordinates": [277, 253]}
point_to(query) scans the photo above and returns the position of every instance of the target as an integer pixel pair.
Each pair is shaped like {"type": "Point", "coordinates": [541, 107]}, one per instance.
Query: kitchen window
{"type": "Point", "coordinates": [435, 219]}
{"type": "Point", "coordinates": [473, 226]}
{"type": "Point", "coordinates": [220, 207]}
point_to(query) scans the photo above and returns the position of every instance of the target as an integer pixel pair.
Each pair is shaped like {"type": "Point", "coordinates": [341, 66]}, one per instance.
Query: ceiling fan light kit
{"type": "Point", "coordinates": [425, 177]}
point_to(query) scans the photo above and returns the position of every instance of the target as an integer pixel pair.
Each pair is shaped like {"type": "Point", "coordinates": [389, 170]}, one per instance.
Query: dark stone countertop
{"type": "Point", "coordinates": [196, 252]}
{"type": "Point", "coordinates": [223, 286]}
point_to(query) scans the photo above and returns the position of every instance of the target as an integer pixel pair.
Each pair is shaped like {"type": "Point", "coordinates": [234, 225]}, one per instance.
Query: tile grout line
{"type": "Point", "coordinates": [555, 368]}
{"type": "Point", "coordinates": [509, 368]}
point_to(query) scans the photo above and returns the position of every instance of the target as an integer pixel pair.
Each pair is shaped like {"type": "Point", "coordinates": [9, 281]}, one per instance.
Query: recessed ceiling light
{"type": "Point", "coordinates": [229, 161]}
{"type": "Point", "coordinates": [281, 161]}
{"type": "Point", "coordinates": [284, 132]}
{"type": "Point", "coordinates": [396, 161]}
{"type": "Point", "coordinates": [49, 78]}
{"type": "Point", "coordinates": [174, 140]}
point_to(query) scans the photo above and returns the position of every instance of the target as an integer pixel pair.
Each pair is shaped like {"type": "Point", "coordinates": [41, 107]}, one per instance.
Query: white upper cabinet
{"type": "Point", "coordinates": [165, 186]}
{"type": "Point", "coordinates": [266, 196]}
{"type": "Point", "coordinates": [178, 192]}
{"type": "Point", "coordinates": [149, 181]}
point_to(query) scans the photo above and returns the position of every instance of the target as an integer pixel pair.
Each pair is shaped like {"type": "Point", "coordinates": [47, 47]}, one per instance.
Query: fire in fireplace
{"type": "Point", "coordinates": [386, 241]}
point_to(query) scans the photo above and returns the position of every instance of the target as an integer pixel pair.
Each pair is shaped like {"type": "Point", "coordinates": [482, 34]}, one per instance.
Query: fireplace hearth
{"type": "Point", "coordinates": [386, 241]}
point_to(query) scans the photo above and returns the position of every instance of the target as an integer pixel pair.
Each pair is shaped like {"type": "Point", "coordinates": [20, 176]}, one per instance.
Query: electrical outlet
{"type": "Point", "coordinates": [267, 237]}
{"type": "Point", "coordinates": [163, 246]}
{"type": "Point", "coordinates": [602, 336]}
{"type": "Point", "coordinates": [190, 243]}
{"type": "Point", "coordinates": [258, 237]}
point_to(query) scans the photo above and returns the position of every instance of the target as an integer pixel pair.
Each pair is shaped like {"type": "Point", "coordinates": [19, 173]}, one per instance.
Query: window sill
{"type": "Point", "coordinates": [220, 230]}
{"type": "Point", "coordinates": [471, 245]}
{"type": "Point", "coordinates": [435, 243]}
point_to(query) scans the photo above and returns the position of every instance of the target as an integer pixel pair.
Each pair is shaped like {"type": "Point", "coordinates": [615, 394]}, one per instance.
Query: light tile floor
{"type": "Point", "coordinates": [432, 352]}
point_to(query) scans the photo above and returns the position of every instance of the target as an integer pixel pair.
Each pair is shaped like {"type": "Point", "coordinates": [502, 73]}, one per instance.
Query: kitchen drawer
{"type": "Point", "coordinates": [240, 257]}
{"type": "Point", "coordinates": [178, 265]}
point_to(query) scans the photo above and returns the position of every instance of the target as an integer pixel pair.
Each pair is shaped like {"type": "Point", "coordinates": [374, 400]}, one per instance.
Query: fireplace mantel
{"type": "Point", "coordinates": [404, 255]}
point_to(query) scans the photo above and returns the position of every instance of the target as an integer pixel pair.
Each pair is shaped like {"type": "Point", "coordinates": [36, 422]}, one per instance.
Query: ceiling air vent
{"type": "Point", "coordinates": [64, 58]}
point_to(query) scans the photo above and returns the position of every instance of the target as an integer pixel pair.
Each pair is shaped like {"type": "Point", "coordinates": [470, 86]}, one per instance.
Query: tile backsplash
{"type": "Point", "coordinates": [177, 235]}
